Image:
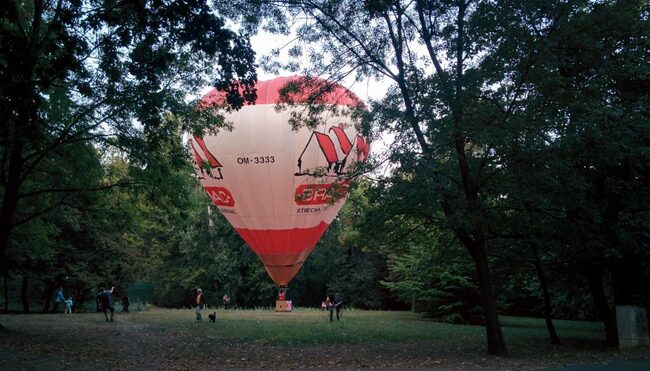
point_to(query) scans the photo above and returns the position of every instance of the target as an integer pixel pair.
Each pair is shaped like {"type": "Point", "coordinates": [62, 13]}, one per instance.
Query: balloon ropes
{"type": "Point", "coordinates": [280, 188]}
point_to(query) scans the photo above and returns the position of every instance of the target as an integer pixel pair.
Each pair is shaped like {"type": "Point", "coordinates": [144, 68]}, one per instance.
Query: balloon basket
{"type": "Point", "coordinates": [283, 306]}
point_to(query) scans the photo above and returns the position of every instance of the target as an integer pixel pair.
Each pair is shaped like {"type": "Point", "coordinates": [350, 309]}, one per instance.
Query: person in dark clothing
{"type": "Point", "coordinates": [125, 304]}
{"type": "Point", "coordinates": [338, 305]}
{"type": "Point", "coordinates": [98, 299]}
{"type": "Point", "coordinates": [58, 299]}
{"type": "Point", "coordinates": [106, 301]}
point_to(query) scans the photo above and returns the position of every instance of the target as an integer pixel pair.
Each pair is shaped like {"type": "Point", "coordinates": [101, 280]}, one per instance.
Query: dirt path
{"type": "Point", "coordinates": [85, 342]}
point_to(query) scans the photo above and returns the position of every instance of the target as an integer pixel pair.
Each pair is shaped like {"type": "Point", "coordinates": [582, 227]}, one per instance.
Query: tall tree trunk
{"type": "Point", "coordinates": [476, 245]}
{"type": "Point", "coordinates": [647, 311]}
{"type": "Point", "coordinates": [10, 197]}
{"type": "Point", "coordinates": [6, 289]}
{"type": "Point", "coordinates": [478, 250]}
{"type": "Point", "coordinates": [24, 293]}
{"type": "Point", "coordinates": [496, 343]}
{"type": "Point", "coordinates": [547, 297]}
{"type": "Point", "coordinates": [595, 280]}
{"type": "Point", "coordinates": [48, 294]}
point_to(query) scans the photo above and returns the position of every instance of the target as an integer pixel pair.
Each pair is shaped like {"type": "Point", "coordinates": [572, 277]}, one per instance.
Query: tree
{"type": "Point", "coordinates": [595, 95]}
{"type": "Point", "coordinates": [78, 247]}
{"type": "Point", "coordinates": [577, 155]}
{"type": "Point", "coordinates": [358, 265]}
{"type": "Point", "coordinates": [473, 82]}
{"type": "Point", "coordinates": [102, 73]}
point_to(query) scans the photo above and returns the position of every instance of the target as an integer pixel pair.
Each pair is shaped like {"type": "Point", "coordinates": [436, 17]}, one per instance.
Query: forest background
{"type": "Point", "coordinates": [518, 181]}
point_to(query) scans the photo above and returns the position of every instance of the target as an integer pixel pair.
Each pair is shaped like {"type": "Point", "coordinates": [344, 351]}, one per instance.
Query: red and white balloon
{"type": "Point", "coordinates": [274, 184]}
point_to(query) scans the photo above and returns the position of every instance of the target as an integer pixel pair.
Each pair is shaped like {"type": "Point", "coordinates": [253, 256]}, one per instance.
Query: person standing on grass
{"type": "Point", "coordinates": [68, 305]}
{"type": "Point", "coordinates": [58, 299]}
{"type": "Point", "coordinates": [125, 304]}
{"type": "Point", "coordinates": [330, 307]}
{"type": "Point", "coordinates": [338, 305]}
{"type": "Point", "coordinates": [200, 304]}
{"type": "Point", "coordinates": [106, 300]}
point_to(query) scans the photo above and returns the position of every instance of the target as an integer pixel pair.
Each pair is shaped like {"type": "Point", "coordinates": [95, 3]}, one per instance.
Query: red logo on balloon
{"type": "Point", "coordinates": [220, 196]}
{"type": "Point", "coordinates": [207, 164]}
{"type": "Point", "coordinates": [337, 152]}
{"type": "Point", "coordinates": [318, 194]}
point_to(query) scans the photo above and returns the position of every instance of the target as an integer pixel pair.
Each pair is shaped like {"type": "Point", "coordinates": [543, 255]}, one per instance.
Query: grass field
{"type": "Point", "coordinates": [173, 339]}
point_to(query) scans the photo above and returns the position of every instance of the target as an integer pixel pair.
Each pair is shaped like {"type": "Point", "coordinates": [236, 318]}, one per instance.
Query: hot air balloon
{"type": "Point", "coordinates": [275, 185]}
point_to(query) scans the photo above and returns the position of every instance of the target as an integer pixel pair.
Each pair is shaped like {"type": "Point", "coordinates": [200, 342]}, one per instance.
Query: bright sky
{"type": "Point", "coordinates": [264, 42]}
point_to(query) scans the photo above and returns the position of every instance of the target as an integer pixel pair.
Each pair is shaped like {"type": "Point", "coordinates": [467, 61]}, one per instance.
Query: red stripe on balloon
{"type": "Point", "coordinates": [211, 159]}
{"type": "Point", "coordinates": [268, 92]}
{"type": "Point", "coordinates": [363, 148]}
{"type": "Point", "coordinates": [327, 146]}
{"type": "Point", "coordinates": [282, 251]}
{"type": "Point", "coordinates": [197, 158]}
{"type": "Point", "coordinates": [345, 143]}
{"type": "Point", "coordinates": [282, 241]}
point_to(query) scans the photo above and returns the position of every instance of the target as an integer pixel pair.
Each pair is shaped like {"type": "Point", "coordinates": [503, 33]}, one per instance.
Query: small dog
{"type": "Point", "coordinates": [213, 317]}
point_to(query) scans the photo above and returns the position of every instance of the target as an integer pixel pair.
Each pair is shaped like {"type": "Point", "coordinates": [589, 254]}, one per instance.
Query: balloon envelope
{"type": "Point", "coordinates": [279, 188]}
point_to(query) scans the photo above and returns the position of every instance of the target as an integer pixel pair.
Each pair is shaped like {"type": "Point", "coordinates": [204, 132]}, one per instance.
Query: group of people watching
{"type": "Point", "coordinates": [201, 303]}
{"type": "Point", "coordinates": [331, 306]}
{"type": "Point", "coordinates": [104, 302]}
{"type": "Point", "coordinates": [59, 299]}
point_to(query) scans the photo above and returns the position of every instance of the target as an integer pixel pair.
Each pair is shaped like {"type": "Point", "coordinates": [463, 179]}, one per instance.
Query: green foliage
{"type": "Point", "coordinates": [439, 286]}
{"type": "Point", "coordinates": [358, 265]}
{"type": "Point", "coordinates": [574, 183]}
{"type": "Point", "coordinates": [101, 75]}
{"type": "Point", "coordinates": [426, 267]}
